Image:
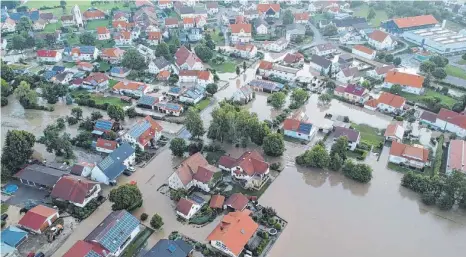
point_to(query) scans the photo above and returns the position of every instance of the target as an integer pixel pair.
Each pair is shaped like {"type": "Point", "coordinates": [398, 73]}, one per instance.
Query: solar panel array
{"type": "Point", "coordinates": [147, 100]}
{"type": "Point", "coordinates": [139, 128]}
{"type": "Point", "coordinates": [305, 128]}
{"type": "Point", "coordinates": [106, 163]}
{"type": "Point", "coordinates": [104, 125]}
{"type": "Point", "coordinates": [119, 232]}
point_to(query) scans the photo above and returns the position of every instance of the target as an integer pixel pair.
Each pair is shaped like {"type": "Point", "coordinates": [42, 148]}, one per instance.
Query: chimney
{"type": "Point", "coordinates": [443, 23]}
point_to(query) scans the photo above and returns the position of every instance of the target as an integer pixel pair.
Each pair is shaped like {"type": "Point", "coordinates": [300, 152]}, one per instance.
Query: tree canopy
{"type": "Point", "coordinates": [359, 171]}
{"type": "Point", "coordinates": [163, 50]}
{"type": "Point", "coordinates": [26, 96]}
{"type": "Point", "coordinates": [116, 112]}
{"type": "Point", "coordinates": [211, 88]}
{"type": "Point", "coordinates": [396, 89]}
{"type": "Point", "coordinates": [87, 38]}
{"type": "Point", "coordinates": [178, 146]}
{"type": "Point", "coordinates": [194, 123]}
{"type": "Point", "coordinates": [156, 221]}
{"type": "Point", "coordinates": [298, 97]}
{"type": "Point", "coordinates": [288, 17]}
{"type": "Point", "coordinates": [277, 100]}
{"type": "Point", "coordinates": [204, 52]}
{"type": "Point", "coordinates": [17, 150]}
{"type": "Point", "coordinates": [134, 60]}
{"type": "Point", "coordinates": [274, 145]}
{"type": "Point", "coordinates": [317, 157]}
{"type": "Point", "coordinates": [125, 197]}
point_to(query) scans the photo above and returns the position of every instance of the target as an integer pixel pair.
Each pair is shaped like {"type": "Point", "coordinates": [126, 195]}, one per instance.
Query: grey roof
{"type": "Point", "coordinates": [112, 166]}
{"type": "Point", "coordinates": [361, 26]}
{"type": "Point", "coordinates": [186, 10]}
{"type": "Point", "coordinates": [326, 46]}
{"type": "Point", "coordinates": [349, 72]}
{"type": "Point", "coordinates": [285, 69]}
{"type": "Point", "coordinates": [161, 62]}
{"type": "Point", "coordinates": [321, 61]}
{"type": "Point", "coordinates": [296, 29]}
{"type": "Point", "coordinates": [40, 175]}
{"type": "Point", "coordinates": [428, 116]}
{"type": "Point", "coordinates": [351, 134]}
{"type": "Point", "coordinates": [170, 248]}
{"type": "Point", "coordinates": [61, 76]}
{"type": "Point", "coordinates": [348, 22]}
{"type": "Point", "coordinates": [113, 231]}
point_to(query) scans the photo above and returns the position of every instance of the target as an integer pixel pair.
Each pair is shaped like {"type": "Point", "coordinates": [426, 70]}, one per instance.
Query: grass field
{"type": "Point", "coordinates": [83, 5]}
{"type": "Point", "coordinates": [369, 135]}
{"type": "Point", "coordinates": [202, 104]}
{"type": "Point", "coordinates": [380, 15]}
{"type": "Point", "coordinates": [4, 208]}
{"type": "Point", "coordinates": [428, 92]}
{"type": "Point", "coordinates": [227, 66]}
{"type": "Point", "coordinates": [52, 27]}
{"type": "Point", "coordinates": [104, 66]}
{"type": "Point", "coordinates": [92, 25]}
{"type": "Point", "coordinates": [72, 39]}
{"type": "Point", "coordinates": [112, 83]}
{"type": "Point", "coordinates": [461, 62]}
{"type": "Point", "coordinates": [69, 64]}
{"type": "Point", "coordinates": [217, 39]}
{"type": "Point", "coordinates": [100, 99]}
{"type": "Point", "coordinates": [455, 71]}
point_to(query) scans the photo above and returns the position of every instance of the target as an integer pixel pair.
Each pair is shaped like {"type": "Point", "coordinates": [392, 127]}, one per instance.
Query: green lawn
{"type": "Point", "coordinates": [173, 14]}
{"type": "Point", "coordinates": [69, 64]}
{"type": "Point", "coordinates": [83, 5]}
{"type": "Point", "coordinates": [104, 44]}
{"type": "Point", "coordinates": [461, 62]}
{"type": "Point", "coordinates": [216, 38]}
{"type": "Point", "coordinates": [202, 104]}
{"type": "Point", "coordinates": [4, 208]}
{"type": "Point", "coordinates": [369, 135]}
{"type": "Point", "coordinates": [225, 67]}
{"type": "Point", "coordinates": [112, 83]}
{"type": "Point", "coordinates": [91, 25]}
{"type": "Point", "coordinates": [380, 15]}
{"type": "Point", "coordinates": [72, 39]}
{"type": "Point", "coordinates": [455, 71]}
{"type": "Point", "coordinates": [52, 27]}
{"type": "Point", "coordinates": [100, 99]}
{"type": "Point", "coordinates": [428, 92]}
{"type": "Point", "coordinates": [104, 66]}
{"type": "Point", "coordinates": [137, 243]}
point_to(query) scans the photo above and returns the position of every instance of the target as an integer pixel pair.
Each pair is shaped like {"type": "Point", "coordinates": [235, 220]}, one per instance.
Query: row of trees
{"type": "Point", "coordinates": [435, 67]}
{"type": "Point", "coordinates": [389, 58]}
{"type": "Point", "coordinates": [336, 160]}
{"type": "Point", "coordinates": [299, 96]}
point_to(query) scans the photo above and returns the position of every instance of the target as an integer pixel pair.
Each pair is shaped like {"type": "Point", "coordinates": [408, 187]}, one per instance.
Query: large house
{"type": "Point", "coordinates": [451, 121]}
{"type": "Point", "coordinates": [394, 132]}
{"type": "Point", "coordinates": [195, 171]}
{"type": "Point", "coordinates": [364, 52]}
{"type": "Point", "coordinates": [112, 55]}
{"type": "Point", "coordinates": [143, 133]}
{"type": "Point", "coordinates": [400, 25]}
{"type": "Point", "coordinates": [320, 63]}
{"type": "Point", "coordinates": [410, 83]}
{"type": "Point", "coordinates": [187, 208]}
{"type": "Point", "coordinates": [170, 248]}
{"type": "Point", "coordinates": [387, 102]}
{"type": "Point", "coordinates": [352, 92]}
{"type": "Point", "coordinates": [80, 53]}
{"type": "Point", "coordinates": [415, 156]}
{"type": "Point", "coordinates": [241, 33]}
{"type": "Point", "coordinates": [277, 45]}
{"type": "Point", "coordinates": [325, 49]}
{"type": "Point", "coordinates": [269, 10]}
{"type": "Point", "coordinates": [187, 60]}
{"type": "Point", "coordinates": [348, 75]}
{"type": "Point", "coordinates": [212, 7]}
{"type": "Point", "coordinates": [380, 72]}
{"type": "Point", "coordinates": [161, 64]}
{"type": "Point", "coordinates": [75, 190]}
{"type": "Point", "coordinates": [9, 25]}
{"type": "Point", "coordinates": [353, 136]}
{"type": "Point", "coordinates": [299, 129]}
{"type": "Point", "coordinates": [246, 51]}
{"type": "Point", "coordinates": [381, 40]}
{"type": "Point", "coordinates": [108, 170]}
{"type": "Point", "coordinates": [38, 219]}
{"type": "Point", "coordinates": [456, 157]}
{"type": "Point", "coordinates": [243, 95]}
{"type": "Point", "coordinates": [250, 168]}
{"type": "Point", "coordinates": [103, 33]}
{"type": "Point", "coordinates": [301, 17]}
{"type": "Point", "coordinates": [96, 81]}
{"type": "Point", "coordinates": [130, 88]}
{"type": "Point", "coordinates": [49, 56]}
{"type": "Point", "coordinates": [40, 176]}
{"type": "Point", "coordinates": [233, 233]}
{"type": "Point", "coordinates": [260, 85]}
{"type": "Point", "coordinates": [93, 14]}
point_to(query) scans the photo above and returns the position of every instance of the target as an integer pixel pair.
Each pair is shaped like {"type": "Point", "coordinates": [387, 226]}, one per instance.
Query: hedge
{"type": "Point", "coordinates": [438, 156]}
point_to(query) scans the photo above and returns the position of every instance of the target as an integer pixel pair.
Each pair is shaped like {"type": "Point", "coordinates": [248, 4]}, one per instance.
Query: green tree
{"type": "Point", "coordinates": [17, 150]}
{"type": "Point", "coordinates": [124, 197]}
{"type": "Point", "coordinates": [317, 157]}
{"type": "Point", "coordinates": [87, 124]}
{"type": "Point", "coordinates": [463, 57]}
{"type": "Point", "coordinates": [83, 139]}
{"type": "Point", "coordinates": [4, 101]}
{"type": "Point", "coordinates": [330, 30]}
{"type": "Point", "coordinates": [288, 17]}
{"type": "Point", "coordinates": [63, 4]}
{"type": "Point", "coordinates": [96, 115]}
{"type": "Point", "coordinates": [172, 48]}
{"type": "Point", "coordinates": [325, 98]}
{"type": "Point", "coordinates": [176, 195]}
{"type": "Point", "coordinates": [156, 221]}
{"type": "Point", "coordinates": [439, 73]}
{"type": "Point", "coordinates": [258, 131]}
{"type": "Point", "coordinates": [87, 38]}
{"type": "Point", "coordinates": [131, 112]}
{"type": "Point", "coordinates": [446, 202]}
{"type": "Point", "coordinates": [26, 96]}
{"type": "Point", "coordinates": [54, 142]}
{"type": "Point", "coordinates": [397, 61]}
{"type": "Point", "coordinates": [194, 123]}
{"type": "Point", "coordinates": [299, 97]}
{"type": "Point", "coordinates": [340, 147]}
{"type": "Point", "coordinates": [204, 53]}
{"type": "Point", "coordinates": [396, 89]}
{"type": "Point", "coordinates": [330, 85]}
{"type": "Point", "coordinates": [244, 66]}
{"type": "Point", "coordinates": [389, 57]}
{"type": "Point", "coordinates": [274, 145]}
{"type": "Point", "coordinates": [18, 42]}
{"type": "Point", "coordinates": [116, 112]}
{"type": "Point", "coordinates": [427, 67]}
{"type": "Point", "coordinates": [371, 15]}
{"type": "Point", "coordinates": [336, 162]}
{"type": "Point", "coordinates": [52, 92]}
{"type": "Point", "coordinates": [77, 112]}
{"type": "Point", "coordinates": [134, 60]}
{"type": "Point", "coordinates": [60, 123]}
{"type": "Point", "coordinates": [7, 73]}
{"type": "Point", "coordinates": [439, 61]}
{"type": "Point", "coordinates": [178, 146]}
{"type": "Point", "coordinates": [359, 172]}
{"type": "Point", "coordinates": [277, 100]}
{"type": "Point", "coordinates": [211, 88]}
{"type": "Point", "coordinates": [163, 50]}
{"type": "Point", "coordinates": [24, 25]}
{"type": "Point", "coordinates": [173, 79]}
{"type": "Point", "coordinates": [6, 88]}
{"type": "Point", "coordinates": [238, 70]}
{"type": "Point", "coordinates": [429, 198]}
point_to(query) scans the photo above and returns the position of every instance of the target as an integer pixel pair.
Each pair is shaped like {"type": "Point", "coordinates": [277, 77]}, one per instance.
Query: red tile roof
{"type": "Point", "coordinates": [392, 129]}
{"type": "Point", "coordinates": [238, 28]}
{"type": "Point", "coordinates": [123, 35]}
{"type": "Point", "coordinates": [415, 21]}
{"type": "Point", "coordinates": [409, 152]}
{"type": "Point", "coordinates": [216, 202]}
{"type": "Point", "coordinates": [188, 20]}
{"type": "Point", "coordinates": [203, 75]}
{"type": "Point", "coordinates": [73, 189]}
{"type": "Point", "coordinates": [205, 173]}
{"type": "Point", "coordinates": [354, 89]}
{"type": "Point", "coordinates": [190, 166]}
{"type": "Point", "coordinates": [392, 100]}
{"type": "Point", "coordinates": [106, 144]}
{"type": "Point", "coordinates": [130, 85]}
{"type": "Point", "coordinates": [291, 124]}
{"type": "Point", "coordinates": [404, 79]}
{"type": "Point", "coordinates": [227, 161]}
{"type": "Point", "coordinates": [263, 8]}
{"type": "Point", "coordinates": [93, 14]}
{"type": "Point", "coordinates": [82, 249]}
{"type": "Point", "coordinates": [378, 35]}
{"type": "Point", "coordinates": [184, 205]}
{"type": "Point", "coordinates": [112, 52]}
{"type": "Point", "coordinates": [154, 35]}
{"type": "Point", "coordinates": [46, 53]}
{"type": "Point", "coordinates": [245, 47]}
{"type": "Point", "coordinates": [171, 21]}
{"type": "Point", "coordinates": [163, 74]}
{"type": "Point", "coordinates": [251, 163]}
{"type": "Point", "coordinates": [452, 117]}
{"type": "Point", "coordinates": [85, 65]}
{"type": "Point", "coordinates": [293, 58]}
{"type": "Point", "coordinates": [102, 30]}
{"type": "Point", "coordinates": [122, 24]}
{"type": "Point", "coordinates": [372, 103]}
{"type": "Point", "coordinates": [237, 201]}
{"type": "Point", "coordinates": [36, 217]}
{"type": "Point", "coordinates": [384, 69]}
{"type": "Point", "coordinates": [234, 231]}
{"type": "Point", "coordinates": [265, 65]}
{"type": "Point", "coordinates": [97, 77]}
{"type": "Point", "coordinates": [457, 156]}
{"type": "Point", "coordinates": [301, 16]}
{"type": "Point", "coordinates": [363, 49]}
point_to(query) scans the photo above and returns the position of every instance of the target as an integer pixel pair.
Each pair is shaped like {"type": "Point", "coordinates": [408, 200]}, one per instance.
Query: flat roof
{"type": "Point", "coordinates": [439, 35]}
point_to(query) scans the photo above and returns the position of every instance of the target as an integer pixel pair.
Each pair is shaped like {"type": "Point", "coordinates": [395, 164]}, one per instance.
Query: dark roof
{"type": "Point", "coordinates": [85, 249]}
{"type": "Point", "coordinates": [361, 26]}
{"type": "Point", "coordinates": [428, 116]}
{"type": "Point", "coordinates": [73, 189]}
{"type": "Point", "coordinates": [184, 206]}
{"type": "Point", "coordinates": [113, 231]}
{"type": "Point", "coordinates": [40, 175]}
{"type": "Point", "coordinates": [13, 236]}
{"type": "Point", "coordinates": [161, 62]}
{"type": "Point", "coordinates": [348, 22]}
{"type": "Point", "coordinates": [186, 10]}
{"type": "Point", "coordinates": [237, 201]}
{"type": "Point", "coordinates": [321, 61]}
{"type": "Point", "coordinates": [34, 15]}
{"type": "Point", "coordinates": [77, 169]}
{"type": "Point", "coordinates": [170, 248]}
{"type": "Point", "coordinates": [103, 125]}
{"type": "Point", "coordinates": [351, 134]}
{"type": "Point", "coordinates": [112, 166]}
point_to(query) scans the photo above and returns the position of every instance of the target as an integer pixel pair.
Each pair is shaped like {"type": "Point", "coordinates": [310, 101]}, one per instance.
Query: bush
{"type": "Point", "coordinates": [275, 166]}
{"type": "Point", "coordinates": [428, 198]}
{"type": "Point", "coordinates": [144, 216]}
{"type": "Point", "coordinates": [156, 221]}
{"type": "Point", "coordinates": [446, 202]}
{"type": "Point", "coordinates": [71, 120]}
{"type": "Point", "coordinates": [278, 227]}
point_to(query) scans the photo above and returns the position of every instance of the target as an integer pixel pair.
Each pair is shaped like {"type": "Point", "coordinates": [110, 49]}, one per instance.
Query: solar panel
{"type": "Point", "coordinates": [105, 163]}
{"type": "Point", "coordinates": [171, 248]}
{"type": "Point", "coordinates": [139, 128]}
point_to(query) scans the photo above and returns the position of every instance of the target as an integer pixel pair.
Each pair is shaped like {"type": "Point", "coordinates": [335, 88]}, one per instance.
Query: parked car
{"type": "Point", "coordinates": [4, 216]}
{"type": "Point", "coordinates": [127, 173]}
{"type": "Point", "coordinates": [40, 254]}
{"type": "Point", "coordinates": [31, 254]}
{"type": "Point", "coordinates": [131, 169]}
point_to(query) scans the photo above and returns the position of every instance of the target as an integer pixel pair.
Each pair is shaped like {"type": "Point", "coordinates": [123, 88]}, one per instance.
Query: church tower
{"type": "Point", "coordinates": [78, 18]}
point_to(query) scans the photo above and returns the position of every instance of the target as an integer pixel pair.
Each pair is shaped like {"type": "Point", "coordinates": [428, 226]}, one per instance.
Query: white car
{"type": "Point", "coordinates": [132, 169]}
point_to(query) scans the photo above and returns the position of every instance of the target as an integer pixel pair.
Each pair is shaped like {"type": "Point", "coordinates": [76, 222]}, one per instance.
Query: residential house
{"type": "Point", "coordinates": [145, 51]}
{"type": "Point", "coordinates": [364, 52]}
{"type": "Point", "coordinates": [145, 18]}
{"type": "Point", "coordinates": [251, 14]}
{"type": "Point", "coordinates": [49, 56]}
{"type": "Point", "coordinates": [410, 83]}
{"type": "Point", "coordinates": [170, 248]}
{"type": "Point", "coordinates": [163, 75]}
{"type": "Point", "coordinates": [352, 92]}
{"type": "Point", "coordinates": [250, 168]}
{"type": "Point", "coordinates": [265, 68]}
{"type": "Point", "coordinates": [194, 34]}
{"type": "Point", "coordinates": [160, 64]}
{"type": "Point", "coordinates": [217, 201]}
{"type": "Point", "coordinates": [276, 46]}
{"type": "Point", "coordinates": [381, 40]}
{"type": "Point", "coordinates": [38, 219]}
{"type": "Point", "coordinates": [123, 38]}
{"type": "Point", "coordinates": [103, 126]}
{"type": "Point", "coordinates": [188, 22]}
{"type": "Point", "coordinates": [320, 64]}
{"type": "Point", "coordinates": [9, 25]}
{"type": "Point", "coordinates": [353, 136]}
{"type": "Point", "coordinates": [246, 51]}
{"type": "Point", "coordinates": [233, 233]}
{"type": "Point", "coordinates": [241, 33]}
{"type": "Point", "coordinates": [122, 25]}
{"type": "Point", "coordinates": [113, 234]}
{"type": "Point", "coordinates": [170, 108]}
{"type": "Point", "coordinates": [3, 44]}
{"type": "Point", "coordinates": [243, 95]}
{"type": "Point", "coordinates": [171, 23]}
{"type": "Point", "coordinates": [261, 27]}
{"type": "Point", "coordinates": [130, 88]}
{"type": "Point", "coordinates": [110, 168]}
{"type": "Point", "coordinates": [154, 38]}
{"type": "Point", "coordinates": [295, 30]}
{"type": "Point", "coordinates": [348, 75]}
{"type": "Point", "coordinates": [301, 18]}
{"type": "Point", "coordinates": [112, 55]}
{"type": "Point", "coordinates": [105, 146]}
{"type": "Point", "coordinates": [380, 72]}
{"type": "Point", "coordinates": [456, 157]}
{"type": "Point", "coordinates": [200, 21]}
{"type": "Point", "coordinates": [67, 20]}
{"type": "Point", "coordinates": [82, 169]}
{"type": "Point", "coordinates": [195, 171]}
{"type": "Point", "coordinates": [204, 78]}
{"type": "Point", "coordinates": [80, 53]}
{"type": "Point", "coordinates": [85, 66]}
{"type": "Point", "coordinates": [121, 16]}
{"type": "Point", "coordinates": [236, 202]}
{"type": "Point", "coordinates": [119, 72]}
{"type": "Point", "coordinates": [93, 14]}
{"type": "Point", "coordinates": [410, 155]}
{"type": "Point", "coordinates": [391, 103]}
{"type": "Point", "coordinates": [187, 208]}
{"type": "Point", "coordinates": [452, 122]}
{"type": "Point", "coordinates": [13, 236]}
{"type": "Point", "coordinates": [346, 24]}
{"type": "Point", "coordinates": [325, 49]}
{"type": "Point", "coordinates": [192, 95]}
{"type": "Point", "coordinates": [265, 85]}
{"type": "Point", "coordinates": [144, 133]}
{"type": "Point", "coordinates": [75, 190]}
{"type": "Point", "coordinates": [187, 60]}
{"type": "Point", "coordinates": [96, 81]}
{"type": "Point", "coordinates": [269, 10]}
{"type": "Point", "coordinates": [283, 72]}
{"type": "Point", "coordinates": [400, 25]}
{"type": "Point", "coordinates": [212, 7]}
{"type": "Point", "coordinates": [39, 25]}
{"type": "Point", "coordinates": [394, 132]}
{"type": "Point", "coordinates": [63, 78]}
{"type": "Point", "coordinates": [240, 20]}
{"type": "Point", "coordinates": [165, 4]}
{"type": "Point", "coordinates": [39, 176]}
{"type": "Point", "coordinates": [299, 129]}
{"type": "Point", "coordinates": [188, 76]}
{"type": "Point", "coordinates": [293, 59]}
{"type": "Point", "coordinates": [103, 33]}
{"type": "Point", "coordinates": [16, 16]}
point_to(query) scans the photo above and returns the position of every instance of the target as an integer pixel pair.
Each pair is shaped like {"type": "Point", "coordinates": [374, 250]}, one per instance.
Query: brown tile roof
{"type": "Point", "coordinates": [227, 161]}
{"type": "Point", "coordinates": [211, 5]}
{"type": "Point", "coordinates": [293, 58]}
{"type": "Point", "coordinates": [203, 75]}
{"type": "Point", "coordinates": [183, 55]}
{"type": "Point", "coordinates": [188, 73]}
{"type": "Point", "coordinates": [452, 117]}
{"type": "Point", "coordinates": [73, 189]}
{"type": "Point", "coordinates": [216, 202]}
{"type": "Point", "coordinates": [82, 248]}
{"type": "Point", "coordinates": [351, 134]}
{"type": "Point", "coordinates": [234, 231]}
{"type": "Point", "coordinates": [291, 124]}
{"type": "Point", "coordinates": [66, 18]}
{"type": "Point", "coordinates": [92, 14]}
{"type": "Point", "coordinates": [392, 100]}
{"type": "Point", "coordinates": [154, 35]}
{"type": "Point", "coordinates": [112, 52]}
{"type": "Point", "coordinates": [106, 144]}
{"type": "Point", "coordinates": [37, 216]}
{"type": "Point", "coordinates": [237, 201]}
{"type": "Point", "coordinates": [428, 116]}
{"type": "Point", "coordinates": [372, 103]}
{"type": "Point", "coordinates": [409, 152]}
{"type": "Point", "coordinates": [184, 205]}
{"type": "Point", "coordinates": [405, 79]}
{"type": "Point", "coordinates": [102, 30]}
{"type": "Point", "coordinates": [378, 35]}
{"type": "Point", "coordinates": [415, 21]}
{"type": "Point", "coordinates": [190, 166]}
{"type": "Point", "coordinates": [163, 74]}
{"type": "Point", "coordinates": [97, 77]}
{"type": "Point", "coordinates": [265, 65]}
{"type": "Point", "coordinates": [262, 8]}
{"type": "Point", "coordinates": [123, 35]}
{"type": "Point", "coordinates": [251, 163]}
{"type": "Point", "coordinates": [204, 173]}
{"type": "Point", "coordinates": [237, 28]}
{"type": "Point", "coordinates": [245, 47]}
{"type": "Point", "coordinates": [363, 49]}
{"type": "Point", "coordinates": [457, 155]}
{"type": "Point", "coordinates": [301, 16]}
{"type": "Point", "coordinates": [122, 24]}
{"type": "Point", "coordinates": [392, 128]}
{"type": "Point", "coordinates": [384, 69]}
{"type": "Point", "coordinates": [85, 65]}
{"type": "Point", "coordinates": [171, 21]}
